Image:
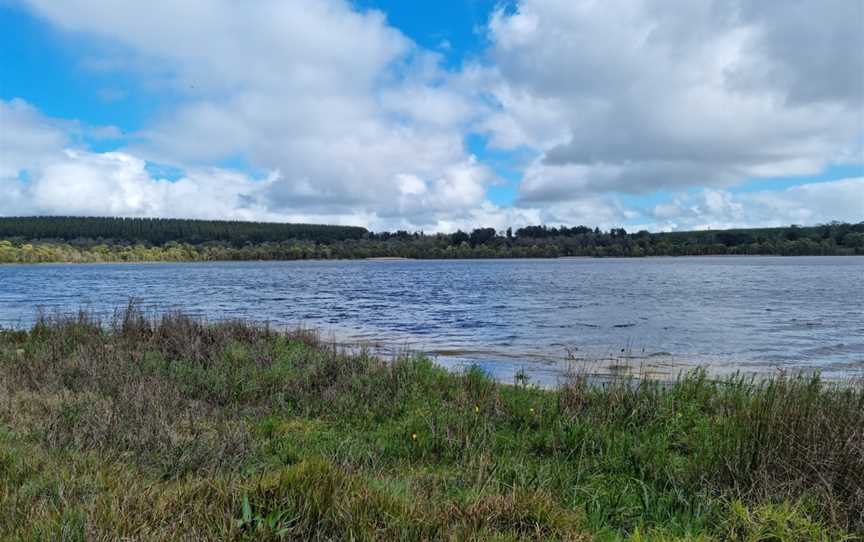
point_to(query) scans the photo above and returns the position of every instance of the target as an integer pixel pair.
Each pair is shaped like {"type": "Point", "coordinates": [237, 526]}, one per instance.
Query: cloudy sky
{"type": "Point", "coordinates": [435, 115]}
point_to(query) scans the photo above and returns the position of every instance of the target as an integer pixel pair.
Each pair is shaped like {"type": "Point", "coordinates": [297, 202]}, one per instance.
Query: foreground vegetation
{"type": "Point", "coordinates": [170, 428]}
{"type": "Point", "coordinates": [71, 239]}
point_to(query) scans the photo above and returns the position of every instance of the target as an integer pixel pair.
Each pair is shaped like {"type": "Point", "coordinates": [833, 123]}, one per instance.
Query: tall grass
{"type": "Point", "coordinates": [173, 428]}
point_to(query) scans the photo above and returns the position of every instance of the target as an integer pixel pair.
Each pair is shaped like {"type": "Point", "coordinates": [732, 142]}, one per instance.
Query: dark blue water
{"type": "Point", "coordinates": [656, 315]}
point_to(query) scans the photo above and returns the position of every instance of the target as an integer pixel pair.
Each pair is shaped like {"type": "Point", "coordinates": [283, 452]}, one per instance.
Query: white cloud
{"type": "Point", "coordinates": [25, 137]}
{"type": "Point", "coordinates": [633, 96]}
{"type": "Point", "coordinates": [352, 122]}
{"type": "Point", "coordinates": [64, 178]}
{"type": "Point", "coordinates": [342, 105]}
{"type": "Point", "coordinates": [805, 204]}
{"type": "Point", "coordinates": [116, 183]}
{"type": "Point", "coordinates": [488, 215]}
{"type": "Point", "coordinates": [86, 183]}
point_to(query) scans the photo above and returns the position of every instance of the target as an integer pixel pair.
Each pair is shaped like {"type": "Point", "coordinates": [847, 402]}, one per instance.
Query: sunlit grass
{"type": "Point", "coordinates": [172, 428]}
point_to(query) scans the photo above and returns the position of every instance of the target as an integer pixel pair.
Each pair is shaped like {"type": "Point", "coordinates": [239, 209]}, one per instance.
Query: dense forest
{"type": "Point", "coordinates": [70, 239]}
{"type": "Point", "coordinates": [158, 231]}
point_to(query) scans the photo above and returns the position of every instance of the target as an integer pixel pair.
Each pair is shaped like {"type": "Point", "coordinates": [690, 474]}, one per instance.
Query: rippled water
{"type": "Point", "coordinates": [659, 314]}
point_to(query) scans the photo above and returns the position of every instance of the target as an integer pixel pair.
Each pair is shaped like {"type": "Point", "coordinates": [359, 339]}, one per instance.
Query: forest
{"type": "Point", "coordinates": [77, 239]}
{"type": "Point", "coordinates": [158, 231]}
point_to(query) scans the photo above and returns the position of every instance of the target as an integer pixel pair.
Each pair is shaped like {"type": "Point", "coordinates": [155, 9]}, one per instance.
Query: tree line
{"type": "Point", "coordinates": [159, 231]}
{"type": "Point", "coordinates": [37, 239]}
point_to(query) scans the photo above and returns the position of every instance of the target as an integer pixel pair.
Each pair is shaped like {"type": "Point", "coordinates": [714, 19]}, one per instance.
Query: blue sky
{"type": "Point", "coordinates": [42, 65]}
{"type": "Point", "coordinates": [453, 27]}
{"type": "Point", "coordinates": [459, 113]}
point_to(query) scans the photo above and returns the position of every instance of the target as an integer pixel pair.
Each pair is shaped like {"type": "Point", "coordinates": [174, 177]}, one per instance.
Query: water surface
{"type": "Point", "coordinates": [755, 314]}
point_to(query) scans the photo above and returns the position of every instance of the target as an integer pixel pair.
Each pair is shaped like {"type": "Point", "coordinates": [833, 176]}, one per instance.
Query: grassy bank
{"type": "Point", "coordinates": [176, 429]}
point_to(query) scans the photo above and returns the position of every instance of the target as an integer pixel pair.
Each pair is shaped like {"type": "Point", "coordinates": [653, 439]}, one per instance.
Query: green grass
{"type": "Point", "coordinates": [177, 429]}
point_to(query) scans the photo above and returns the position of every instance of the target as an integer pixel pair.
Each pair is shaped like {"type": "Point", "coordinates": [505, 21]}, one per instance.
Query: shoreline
{"type": "Point", "coordinates": [542, 368]}
{"type": "Point", "coordinates": [247, 432]}
{"type": "Point", "coordinates": [398, 259]}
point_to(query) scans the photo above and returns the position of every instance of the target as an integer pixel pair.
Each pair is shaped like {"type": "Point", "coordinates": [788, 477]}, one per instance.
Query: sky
{"type": "Point", "coordinates": [435, 116]}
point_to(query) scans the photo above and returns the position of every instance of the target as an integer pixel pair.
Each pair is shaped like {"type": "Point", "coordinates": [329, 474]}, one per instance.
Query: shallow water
{"type": "Point", "coordinates": [654, 315]}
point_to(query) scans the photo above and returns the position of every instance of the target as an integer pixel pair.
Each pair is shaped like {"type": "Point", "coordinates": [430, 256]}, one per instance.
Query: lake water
{"type": "Point", "coordinates": [659, 315]}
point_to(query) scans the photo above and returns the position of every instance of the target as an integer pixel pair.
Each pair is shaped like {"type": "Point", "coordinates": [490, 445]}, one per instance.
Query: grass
{"type": "Point", "coordinates": [172, 428]}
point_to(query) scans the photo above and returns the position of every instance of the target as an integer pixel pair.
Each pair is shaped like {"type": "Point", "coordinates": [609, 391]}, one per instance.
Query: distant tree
{"type": "Point", "coordinates": [854, 240]}
{"type": "Point", "coordinates": [161, 230]}
{"type": "Point", "coordinates": [77, 239]}
{"type": "Point", "coordinates": [459, 237]}
{"type": "Point", "coordinates": [481, 236]}
{"type": "Point", "coordinates": [793, 233]}
{"type": "Point", "coordinates": [733, 238]}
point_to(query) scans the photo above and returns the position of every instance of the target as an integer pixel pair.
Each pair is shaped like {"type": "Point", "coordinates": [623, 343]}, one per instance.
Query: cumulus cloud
{"type": "Point", "coordinates": [634, 96]}
{"type": "Point", "coordinates": [116, 183]}
{"type": "Point", "coordinates": [811, 203]}
{"type": "Point", "coordinates": [349, 121]}
{"type": "Point", "coordinates": [26, 138]}
{"type": "Point", "coordinates": [340, 104]}
{"type": "Point", "coordinates": [60, 178]}
{"type": "Point", "coordinates": [44, 170]}
{"type": "Point", "coordinates": [30, 142]}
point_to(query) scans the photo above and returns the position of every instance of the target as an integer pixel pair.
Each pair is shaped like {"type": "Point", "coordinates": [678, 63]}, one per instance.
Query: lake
{"type": "Point", "coordinates": [657, 315]}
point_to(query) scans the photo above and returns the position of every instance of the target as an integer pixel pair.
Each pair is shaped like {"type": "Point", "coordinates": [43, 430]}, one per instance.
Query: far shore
{"type": "Point", "coordinates": [398, 259]}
